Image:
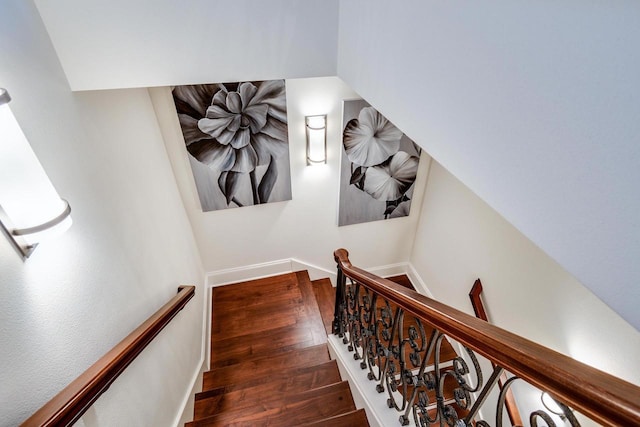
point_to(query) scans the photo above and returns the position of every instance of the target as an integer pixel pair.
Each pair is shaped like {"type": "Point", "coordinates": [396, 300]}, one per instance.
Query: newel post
{"type": "Point", "coordinates": [337, 327]}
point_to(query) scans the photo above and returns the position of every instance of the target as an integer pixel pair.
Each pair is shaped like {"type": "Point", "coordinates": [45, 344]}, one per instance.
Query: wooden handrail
{"type": "Point", "coordinates": [73, 401]}
{"type": "Point", "coordinates": [596, 394]}
{"type": "Point", "coordinates": [481, 313]}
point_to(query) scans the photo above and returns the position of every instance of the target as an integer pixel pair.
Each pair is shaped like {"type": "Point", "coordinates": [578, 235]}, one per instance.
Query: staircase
{"type": "Point", "coordinates": [270, 363]}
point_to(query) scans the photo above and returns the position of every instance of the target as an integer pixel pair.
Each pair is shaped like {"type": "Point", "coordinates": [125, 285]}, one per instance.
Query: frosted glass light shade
{"type": "Point", "coordinates": [316, 139]}
{"type": "Point", "coordinates": [31, 208]}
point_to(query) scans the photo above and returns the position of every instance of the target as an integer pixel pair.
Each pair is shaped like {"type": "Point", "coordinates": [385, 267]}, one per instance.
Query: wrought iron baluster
{"type": "Point", "coordinates": [338, 325]}
{"type": "Point", "coordinates": [393, 345]}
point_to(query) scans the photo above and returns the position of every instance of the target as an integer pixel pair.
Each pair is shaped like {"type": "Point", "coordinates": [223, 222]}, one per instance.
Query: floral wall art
{"type": "Point", "coordinates": [236, 137]}
{"type": "Point", "coordinates": [379, 167]}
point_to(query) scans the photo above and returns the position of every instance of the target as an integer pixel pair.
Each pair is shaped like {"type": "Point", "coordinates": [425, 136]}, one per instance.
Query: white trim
{"type": "Point", "coordinates": [315, 272]}
{"type": "Point", "coordinates": [417, 281]}
{"type": "Point", "coordinates": [196, 386]}
{"type": "Point", "coordinates": [248, 272]}
{"type": "Point", "coordinates": [266, 269]}
{"type": "Point", "coordinates": [389, 269]}
{"type": "Point", "coordinates": [208, 312]}
{"type": "Point", "coordinates": [272, 268]}
{"type": "Point", "coordinates": [205, 361]}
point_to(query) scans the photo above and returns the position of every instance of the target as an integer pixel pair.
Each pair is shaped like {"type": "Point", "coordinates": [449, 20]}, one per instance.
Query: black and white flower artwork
{"type": "Point", "coordinates": [378, 168]}
{"type": "Point", "coordinates": [236, 136]}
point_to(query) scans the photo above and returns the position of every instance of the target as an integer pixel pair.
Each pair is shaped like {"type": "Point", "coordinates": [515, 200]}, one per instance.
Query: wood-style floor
{"type": "Point", "coordinates": [270, 364]}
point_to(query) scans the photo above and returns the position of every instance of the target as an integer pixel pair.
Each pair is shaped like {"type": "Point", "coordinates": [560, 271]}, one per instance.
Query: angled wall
{"type": "Point", "coordinates": [460, 238]}
{"type": "Point", "coordinates": [109, 44]}
{"type": "Point", "coordinates": [534, 106]}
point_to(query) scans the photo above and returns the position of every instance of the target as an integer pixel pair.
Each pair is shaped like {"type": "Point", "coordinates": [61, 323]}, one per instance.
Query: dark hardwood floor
{"type": "Point", "coordinates": [270, 364]}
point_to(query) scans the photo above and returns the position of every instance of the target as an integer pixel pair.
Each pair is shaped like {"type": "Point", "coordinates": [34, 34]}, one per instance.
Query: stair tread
{"type": "Point", "coordinates": [296, 409]}
{"type": "Point", "coordinates": [269, 387]}
{"type": "Point", "coordinates": [326, 298]}
{"type": "Point", "coordinates": [282, 314]}
{"type": "Point", "coordinates": [238, 304]}
{"type": "Point", "coordinates": [402, 279]}
{"type": "Point", "coordinates": [255, 368]}
{"type": "Point", "coordinates": [357, 418]}
{"type": "Point", "coordinates": [265, 343]}
{"type": "Point", "coordinates": [310, 301]}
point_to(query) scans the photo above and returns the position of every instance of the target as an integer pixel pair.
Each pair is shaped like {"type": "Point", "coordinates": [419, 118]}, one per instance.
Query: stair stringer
{"type": "Point", "coordinates": [364, 391]}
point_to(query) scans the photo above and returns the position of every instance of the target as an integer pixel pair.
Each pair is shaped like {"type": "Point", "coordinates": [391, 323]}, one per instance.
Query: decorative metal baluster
{"type": "Point", "coordinates": [423, 381]}
{"type": "Point", "coordinates": [365, 327]}
{"type": "Point", "coordinates": [352, 339]}
{"type": "Point", "coordinates": [432, 382]}
{"type": "Point", "coordinates": [460, 371]}
{"type": "Point", "coordinates": [482, 397]}
{"type": "Point", "coordinates": [394, 374]}
{"type": "Point", "coordinates": [376, 349]}
{"type": "Point", "coordinates": [393, 345]}
{"type": "Point", "coordinates": [338, 327]}
{"type": "Point", "coordinates": [370, 348]}
{"type": "Point", "coordinates": [567, 413]}
{"type": "Point", "coordinates": [415, 345]}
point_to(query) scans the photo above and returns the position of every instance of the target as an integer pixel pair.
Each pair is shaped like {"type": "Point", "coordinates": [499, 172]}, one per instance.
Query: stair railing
{"type": "Point", "coordinates": [398, 334]}
{"type": "Point", "coordinates": [72, 402]}
{"type": "Point", "coordinates": [509, 400]}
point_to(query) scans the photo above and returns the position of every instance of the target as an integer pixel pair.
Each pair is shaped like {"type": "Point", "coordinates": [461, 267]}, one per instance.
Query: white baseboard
{"type": "Point", "coordinates": [186, 407]}
{"type": "Point", "coordinates": [417, 281]}
{"type": "Point", "coordinates": [389, 270]}
{"type": "Point", "coordinates": [266, 269]}
{"type": "Point", "coordinates": [315, 272]}
{"type": "Point", "coordinates": [288, 265]}
{"type": "Point", "coordinates": [248, 272]}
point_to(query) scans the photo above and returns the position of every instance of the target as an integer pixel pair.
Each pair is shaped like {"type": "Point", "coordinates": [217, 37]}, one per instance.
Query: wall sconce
{"type": "Point", "coordinates": [30, 208]}
{"type": "Point", "coordinates": [316, 139]}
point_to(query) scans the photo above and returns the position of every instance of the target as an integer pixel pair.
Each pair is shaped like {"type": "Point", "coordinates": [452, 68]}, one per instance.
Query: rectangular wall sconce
{"type": "Point", "coordinates": [316, 139]}
{"type": "Point", "coordinates": [30, 208]}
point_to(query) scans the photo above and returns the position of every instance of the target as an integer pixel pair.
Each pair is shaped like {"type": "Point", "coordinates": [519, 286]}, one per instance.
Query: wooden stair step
{"type": "Point", "coordinates": [285, 320]}
{"type": "Point", "coordinates": [402, 279]}
{"type": "Point", "coordinates": [233, 321]}
{"type": "Point", "coordinates": [255, 368]}
{"type": "Point", "coordinates": [357, 418]}
{"type": "Point", "coordinates": [306, 288]}
{"type": "Point", "coordinates": [326, 298]}
{"type": "Point", "coordinates": [291, 410]}
{"type": "Point", "coordinates": [269, 387]}
{"type": "Point", "coordinates": [263, 344]}
{"type": "Point", "coordinates": [254, 292]}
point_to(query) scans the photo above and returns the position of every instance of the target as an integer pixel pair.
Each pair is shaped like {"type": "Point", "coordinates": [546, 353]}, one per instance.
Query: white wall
{"type": "Point", "coordinates": [129, 248]}
{"type": "Point", "coordinates": [304, 228]}
{"type": "Point", "coordinates": [119, 43]}
{"type": "Point", "coordinates": [533, 105]}
{"type": "Point", "coordinates": [460, 238]}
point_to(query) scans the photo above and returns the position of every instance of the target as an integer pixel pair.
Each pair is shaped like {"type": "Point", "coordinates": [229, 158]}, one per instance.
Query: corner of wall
{"type": "Point", "coordinates": [417, 281]}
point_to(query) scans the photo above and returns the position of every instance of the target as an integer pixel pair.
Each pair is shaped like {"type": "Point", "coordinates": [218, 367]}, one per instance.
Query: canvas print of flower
{"type": "Point", "coordinates": [378, 169]}
{"type": "Point", "coordinates": [236, 136]}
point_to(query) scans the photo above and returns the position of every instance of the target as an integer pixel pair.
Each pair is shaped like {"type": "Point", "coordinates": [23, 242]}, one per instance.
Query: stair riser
{"type": "Point", "coordinates": [303, 408]}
